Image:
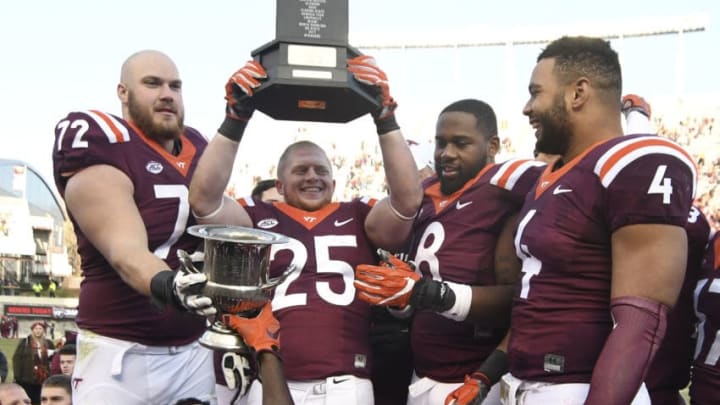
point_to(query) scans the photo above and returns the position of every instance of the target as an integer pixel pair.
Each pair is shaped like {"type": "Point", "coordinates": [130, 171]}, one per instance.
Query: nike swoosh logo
{"type": "Point", "coordinates": [340, 380]}
{"type": "Point", "coordinates": [341, 223]}
{"type": "Point", "coordinates": [460, 205]}
{"type": "Point", "coordinates": [560, 190]}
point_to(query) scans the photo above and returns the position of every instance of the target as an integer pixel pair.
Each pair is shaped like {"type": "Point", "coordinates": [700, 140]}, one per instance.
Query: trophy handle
{"type": "Point", "coordinates": [186, 264]}
{"type": "Point", "coordinates": [273, 282]}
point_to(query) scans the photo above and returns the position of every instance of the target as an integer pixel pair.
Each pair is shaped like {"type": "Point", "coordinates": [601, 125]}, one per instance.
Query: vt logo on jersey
{"type": "Point", "coordinates": [310, 219]}
{"type": "Point", "coordinates": [154, 167]}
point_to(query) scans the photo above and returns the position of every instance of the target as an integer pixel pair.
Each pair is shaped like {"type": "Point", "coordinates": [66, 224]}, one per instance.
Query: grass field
{"type": "Point", "coordinates": [8, 348]}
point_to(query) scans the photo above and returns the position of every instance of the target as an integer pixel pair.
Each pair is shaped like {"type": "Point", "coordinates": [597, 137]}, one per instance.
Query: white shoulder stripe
{"type": "Point", "coordinates": [248, 201]}
{"type": "Point", "coordinates": [620, 145]}
{"type": "Point", "coordinates": [630, 157]}
{"type": "Point", "coordinates": [510, 172]}
{"type": "Point", "coordinates": [107, 129]}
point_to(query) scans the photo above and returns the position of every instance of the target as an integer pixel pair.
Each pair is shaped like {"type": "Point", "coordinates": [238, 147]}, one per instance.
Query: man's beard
{"type": "Point", "coordinates": [157, 131]}
{"type": "Point", "coordinates": [555, 129]}
{"type": "Point", "coordinates": [448, 187]}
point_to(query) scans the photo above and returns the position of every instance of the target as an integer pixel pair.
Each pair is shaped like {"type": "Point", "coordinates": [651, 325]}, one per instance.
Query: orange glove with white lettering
{"type": "Point", "coordinates": [261, 333]}
{"type": "Point", "coordinates": [389, 284]}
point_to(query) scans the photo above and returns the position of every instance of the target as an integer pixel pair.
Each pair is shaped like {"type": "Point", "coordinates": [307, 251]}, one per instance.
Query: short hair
{"type": "Point", "coordinates": [7, 386]}
{"type": "Point", "coordinates": [485, 118]}
{"type": "Point", "coordinates": [68, 348]}
{"type": "Point", "coordinates": [297, 145]}
{"type": "Point", "coordinates": [261, 187]}
{"type": "Point", "coordinates": [59, 381]}
{"type": "Point", "coordinates": [586, 56]}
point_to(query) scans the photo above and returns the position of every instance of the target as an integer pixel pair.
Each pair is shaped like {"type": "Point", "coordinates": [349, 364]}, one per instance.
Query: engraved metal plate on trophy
{"type": "Point", "coordinates": [306, 65]}
{"type": "Point", "coordinates": [237, 266]}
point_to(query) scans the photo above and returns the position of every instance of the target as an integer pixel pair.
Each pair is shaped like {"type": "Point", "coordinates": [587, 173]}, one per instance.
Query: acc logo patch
{"type": "Point", "coordinates": [267, 223]}
{"type": "Point", "coordinates": [154, 167]}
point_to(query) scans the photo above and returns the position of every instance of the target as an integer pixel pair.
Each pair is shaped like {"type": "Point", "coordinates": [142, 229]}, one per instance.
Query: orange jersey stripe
{"type": "Point", "coordinates": [631, 147]}
{"type": "Point", "coordinates": [118, 134]}
{"type": "Point", "coordinates": [502, 182]}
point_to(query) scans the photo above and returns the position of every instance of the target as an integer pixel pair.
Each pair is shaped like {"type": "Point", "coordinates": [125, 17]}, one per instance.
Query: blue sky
{"type": "Point", "coordinates": [61, 56]}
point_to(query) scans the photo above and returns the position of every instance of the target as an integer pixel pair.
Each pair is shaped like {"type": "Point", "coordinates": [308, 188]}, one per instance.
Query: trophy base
{"type": "Point", "coordinates": [218, 337]}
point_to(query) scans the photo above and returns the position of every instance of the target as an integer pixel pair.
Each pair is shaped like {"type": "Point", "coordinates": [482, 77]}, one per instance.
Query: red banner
{"type": "Point", "coordinates": [32, 311]}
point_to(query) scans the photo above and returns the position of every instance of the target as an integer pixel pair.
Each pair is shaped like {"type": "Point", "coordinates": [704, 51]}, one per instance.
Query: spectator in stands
{"type": "Point", "coordinates": [31, 361]}
{"type": "Point", "coordinates": [67, 359]}
{"type": "Point", "coordinates": [3, 368]}
{"type": "Point", "coordinates": [13, 394]}
{"type": "Point", "coordinates": [52, 287]}
{"type": "Point", "coordinates": [14, 327]}
{"type": "Point", "coordinates": [266, 190]}
{"type": "Point", "coordinates": [56, 390]}
{"type": "Point", "coordinates": [5, 326]}
{"type": "Point", "coordinates": [67, 340]}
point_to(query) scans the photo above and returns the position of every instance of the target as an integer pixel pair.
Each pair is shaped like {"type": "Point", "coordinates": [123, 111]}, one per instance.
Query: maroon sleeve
{"type": "Point", "coordinates": [639, 328]}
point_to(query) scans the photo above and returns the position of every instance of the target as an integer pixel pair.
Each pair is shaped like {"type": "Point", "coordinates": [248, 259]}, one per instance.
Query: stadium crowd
{"type": "Point", "coordinates": [699, 136]}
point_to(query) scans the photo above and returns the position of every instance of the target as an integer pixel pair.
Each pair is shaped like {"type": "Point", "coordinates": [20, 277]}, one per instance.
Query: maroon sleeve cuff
{"type": "Point", "coordinates": [640, 325]}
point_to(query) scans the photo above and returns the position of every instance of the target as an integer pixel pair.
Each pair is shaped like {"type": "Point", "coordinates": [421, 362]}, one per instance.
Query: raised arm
{"type": "Point", "coordinates": [390, 220]}
{"type": "Point", "coordinates": [207, 188]}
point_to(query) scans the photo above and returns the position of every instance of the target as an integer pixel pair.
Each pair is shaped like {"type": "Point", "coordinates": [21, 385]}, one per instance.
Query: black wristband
{"type": "Point", "coordinates": [386, 124]}
{"type": "Point", "coordinates": [232, 129]}
{"type": "Point", "coordinates": [161, 289]}
{"type": "Point", "coordinates": [494, 366]}
{"type": "Point", "coordinates": [433, 295]}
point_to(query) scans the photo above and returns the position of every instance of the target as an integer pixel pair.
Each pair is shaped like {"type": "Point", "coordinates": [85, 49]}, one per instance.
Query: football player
{"type": "Point", "coordinates": [461, 284]}
{"type": "Point", "coordinates": [325, 347]}
{"type": "Point", "coordinates": [125, 182]}
{"type": "Point", "coordinates": [705, 386]}
{"type": "Point", "coordinates": [602, 238]}
{"type": "Point", "coordinates": [670, 371]}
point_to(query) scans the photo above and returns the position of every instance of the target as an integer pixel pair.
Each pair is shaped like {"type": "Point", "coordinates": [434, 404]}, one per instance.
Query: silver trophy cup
{"type": "Point", "coordinates": [237, 266]}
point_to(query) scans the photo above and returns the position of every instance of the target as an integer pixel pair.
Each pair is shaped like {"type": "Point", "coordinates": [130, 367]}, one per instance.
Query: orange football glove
{"type": "Point", "coordinates": [472, 392]}
{"type": "Point", "coordinates": [633, 102]}
{"type": "Point", "coordinates": [365, 70]}
{"type": "Point", "coordinates": [389, 284]}
{"type": "Point", "coordinates": [240, 105]}
{"type": "Point", "coordinates": [261, 333]}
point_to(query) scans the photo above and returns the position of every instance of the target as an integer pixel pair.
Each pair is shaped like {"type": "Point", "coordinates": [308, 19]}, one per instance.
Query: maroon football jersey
{"type": "Point", "coordinates": [323, 326]}
{"type": "Point", "coordinates": [561, 311]}
{"type": "Point", "coordinates": [109, 306]}
{"type": "Point", "coordinates": [670, 370]}
{"type": "Point", "coordinates": [705, 386]}
{"type": "Point", "coordinates": [454, 239]}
